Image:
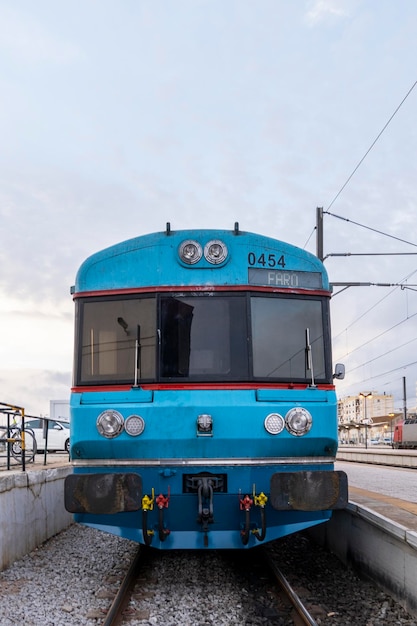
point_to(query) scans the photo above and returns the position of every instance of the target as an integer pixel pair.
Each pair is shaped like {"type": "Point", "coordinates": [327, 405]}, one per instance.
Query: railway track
{"type": "Point", "coordinates": [303, 614]}
{"type": "Point", "coordinates": [73, 579]}
{"type": "Point", "coordinates": [115, 613]}
{"type": "Point", "coordinates": [284, 605]}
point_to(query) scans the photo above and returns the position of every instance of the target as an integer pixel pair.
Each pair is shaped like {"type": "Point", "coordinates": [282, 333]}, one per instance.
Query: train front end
{"type": "Point", "coordinates": [203, 412]}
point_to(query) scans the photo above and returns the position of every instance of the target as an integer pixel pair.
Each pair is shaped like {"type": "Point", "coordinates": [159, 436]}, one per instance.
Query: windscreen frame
{"type": "Point", "coordinates": [246, 376]}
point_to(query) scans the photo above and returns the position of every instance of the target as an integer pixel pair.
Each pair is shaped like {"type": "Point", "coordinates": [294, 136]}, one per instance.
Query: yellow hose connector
{"type": "Point", "coordinates": [147, 502]}
{"type": "Point", "coordinates": [260, 500]}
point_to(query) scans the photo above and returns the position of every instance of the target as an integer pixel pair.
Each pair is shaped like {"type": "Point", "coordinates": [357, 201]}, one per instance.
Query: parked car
{"type": "Point", "coordinates": [58, 435]}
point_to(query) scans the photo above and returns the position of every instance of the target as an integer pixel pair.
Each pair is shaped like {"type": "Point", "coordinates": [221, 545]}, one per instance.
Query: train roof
{"type": "Point", "coordinates": [153, 260]}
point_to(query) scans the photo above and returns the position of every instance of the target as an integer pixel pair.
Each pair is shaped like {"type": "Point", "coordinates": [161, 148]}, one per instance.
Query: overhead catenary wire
{"type": "Point", "coordinates": [352, 369]}
{"type": "Point", "coordinates": [384, 332]}
{"type": "Point", "coordinates": [391, 371]}
{"type": "Point", "coordinates": [376, 231]}
{"type": "Point", "coordinates": [372, 145]}
{"type": "Point", "coordinates": [310, 236]}
{"type": "Point", "coordinates": [348, 354]}
{"type": "Point", "coordinates": [398, 285]}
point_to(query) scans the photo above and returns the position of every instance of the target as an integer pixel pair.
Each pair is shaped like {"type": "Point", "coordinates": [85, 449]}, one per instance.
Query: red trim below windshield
{"type": "Point", "coordinates": [198, 288]}
{"type": "Point", "coordinates": [199, 387]}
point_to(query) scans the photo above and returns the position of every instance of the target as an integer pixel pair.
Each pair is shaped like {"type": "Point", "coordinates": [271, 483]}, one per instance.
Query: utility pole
{"type": "Point", "coordinates": [405, 398]}
{"type": "Point", "coordinates": [319, 227]}
{"type": "Point", "coordinates": [322, 257]}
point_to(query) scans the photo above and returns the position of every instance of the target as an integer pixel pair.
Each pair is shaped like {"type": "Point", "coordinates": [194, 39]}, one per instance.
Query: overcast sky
{"type": "Point", "coordinates": [116, 117]}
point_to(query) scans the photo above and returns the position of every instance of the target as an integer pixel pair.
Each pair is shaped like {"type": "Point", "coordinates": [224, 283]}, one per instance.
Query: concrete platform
{"type": "Point", "coordinates": [378, 455]}
{"type": "Point", "coordinates": [377, 532]}
{"type": "Point", "coordinates": [32, 505]}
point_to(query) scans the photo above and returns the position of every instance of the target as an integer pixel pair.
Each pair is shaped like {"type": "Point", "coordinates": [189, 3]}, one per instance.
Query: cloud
{"type": "Point", "coordinates": [48, 218]}
{"type": "Point", "coordinates": [33, 389]}
{"type": "Point", "coordinates": [325, 10]}
{"type": "Point", "coordinates": [117, 119]}
{"type": "Point", "coordinates": [27, 40]}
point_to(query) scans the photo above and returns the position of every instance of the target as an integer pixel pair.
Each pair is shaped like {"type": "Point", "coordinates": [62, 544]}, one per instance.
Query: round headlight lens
{"type": "Point", "coordinates": [190, 251]}
{"type": "Point", "coordinates": [274, 423]}
{"type": "Point", "coordinates": [215, 251]}
{"type": "Point", "coordinates": [298, 421]}
{"type": "Point", "coordinates": [134, 425]}
{"type": "Point", "coordinates": [110, 423]}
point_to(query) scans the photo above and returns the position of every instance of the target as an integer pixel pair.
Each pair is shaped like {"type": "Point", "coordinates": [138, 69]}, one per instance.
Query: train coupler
{"type": "Point", "coordinates": [205, 501]}
{"type": "Point", "coordinates": [205, 485]}
{"type": "Point", "coordinates": [205, 505]}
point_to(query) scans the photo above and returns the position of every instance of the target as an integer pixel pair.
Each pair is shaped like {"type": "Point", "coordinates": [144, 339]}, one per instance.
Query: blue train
{"type": "Point", "coordinates": [203, 407]}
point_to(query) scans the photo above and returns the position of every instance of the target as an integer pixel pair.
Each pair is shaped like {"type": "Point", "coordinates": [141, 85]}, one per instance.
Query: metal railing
{"type": "Point", "coordinates": [18, 443]}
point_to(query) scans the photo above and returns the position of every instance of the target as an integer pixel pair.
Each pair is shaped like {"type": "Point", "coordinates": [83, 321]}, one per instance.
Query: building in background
{"type": "Point", "coordinates": [367, 417]}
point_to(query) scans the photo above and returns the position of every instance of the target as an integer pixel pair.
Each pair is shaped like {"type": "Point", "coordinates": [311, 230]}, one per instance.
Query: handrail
{"type": "Point", "coordinates": [11, 409]}
{"type": "Point", "coordinates": [18, 413]}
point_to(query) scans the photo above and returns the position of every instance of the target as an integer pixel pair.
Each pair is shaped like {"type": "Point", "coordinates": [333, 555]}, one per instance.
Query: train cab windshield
{"type": "Point", "coordinates": [201, 337]}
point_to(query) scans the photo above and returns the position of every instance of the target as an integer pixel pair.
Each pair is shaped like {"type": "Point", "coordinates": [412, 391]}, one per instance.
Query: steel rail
{"type": "Point", "coordinates": [295, 600]}
{"type": "Point", "coordinates": [114, 613]}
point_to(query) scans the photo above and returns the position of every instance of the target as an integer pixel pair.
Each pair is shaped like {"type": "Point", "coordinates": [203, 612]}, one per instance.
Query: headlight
{"type": "Point", "coordinates": [274, 423]}
{"type": "Point", "coordinates": [215, 251]}
{"type": "Point", "coordinates": [190, 251]}
{"type": "Point", "coordinates": [134, 425]}
{"type": "Point", "coordinates": [109, 423]}
{"type": "Point", "coordinates": [298, 421]}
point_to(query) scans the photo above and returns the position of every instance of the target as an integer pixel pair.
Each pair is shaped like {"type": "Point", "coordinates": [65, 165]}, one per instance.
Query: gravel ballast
{"type": "Point", "coordinates": [72, 578]}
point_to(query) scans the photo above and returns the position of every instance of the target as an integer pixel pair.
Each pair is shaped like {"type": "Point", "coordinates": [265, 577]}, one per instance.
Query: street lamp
{"type": "Point", "coordinates": [365, 396]}
{"type": "Point", "coordinates": [391, 416]}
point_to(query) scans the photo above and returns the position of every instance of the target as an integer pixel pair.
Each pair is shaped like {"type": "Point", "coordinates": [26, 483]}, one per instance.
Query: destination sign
{"type": "Point", "coordinates": [285, 278]}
